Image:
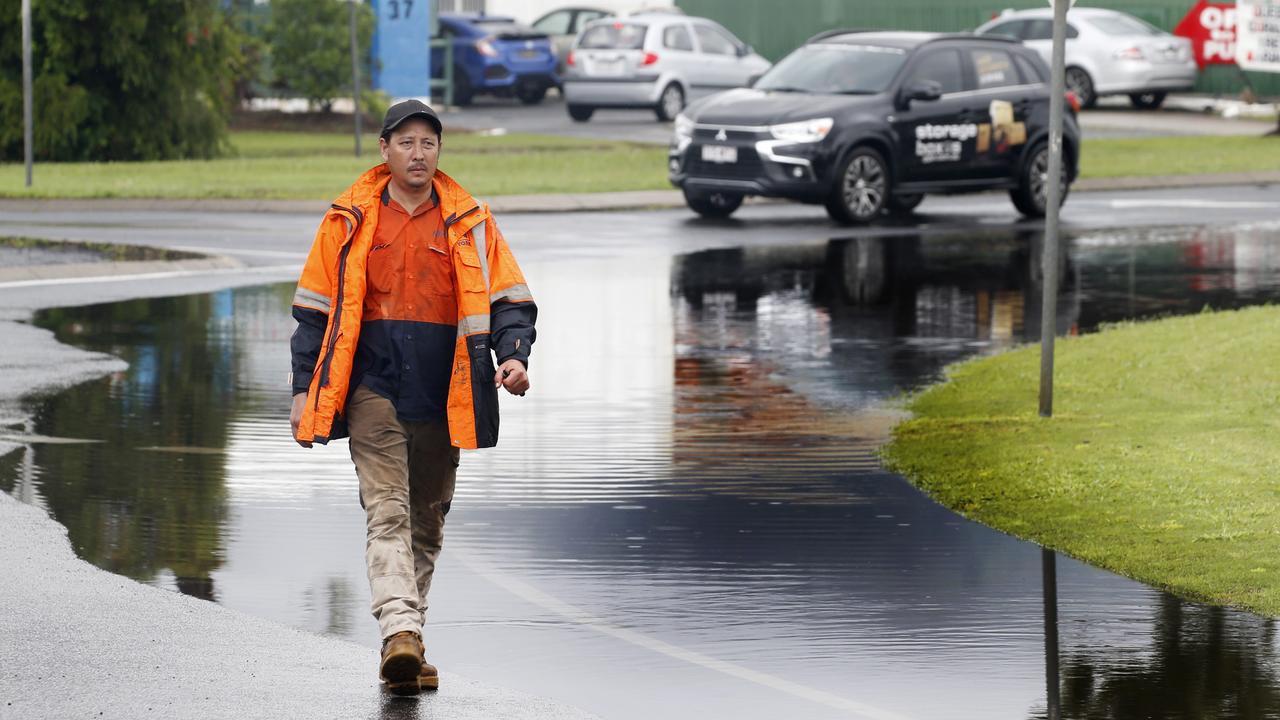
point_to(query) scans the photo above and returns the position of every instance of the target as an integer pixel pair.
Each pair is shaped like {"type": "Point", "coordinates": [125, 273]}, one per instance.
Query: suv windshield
{"type": "Point", "coordinates": [835, 69]}
{"type": "Point", "coordinates": [613, 36]}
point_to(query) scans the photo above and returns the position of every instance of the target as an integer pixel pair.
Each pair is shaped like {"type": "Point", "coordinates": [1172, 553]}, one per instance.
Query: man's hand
{"type": "Point", "coordinates": [295, 417]}
{"type": "Point", "coordinates": [513, 377]}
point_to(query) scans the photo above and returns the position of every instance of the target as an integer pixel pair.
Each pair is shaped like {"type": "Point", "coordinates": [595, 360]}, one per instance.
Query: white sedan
{"type": "Point", "coordinates": [1108, 53]}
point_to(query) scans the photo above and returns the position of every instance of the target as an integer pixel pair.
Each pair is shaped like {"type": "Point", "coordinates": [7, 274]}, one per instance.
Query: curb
{"type": "Point", "coordinates": [1267, 177]}
{"type": "Point", "coordinates": [65, 271]}
{"type": "Point", "coordinates": [549, 203]}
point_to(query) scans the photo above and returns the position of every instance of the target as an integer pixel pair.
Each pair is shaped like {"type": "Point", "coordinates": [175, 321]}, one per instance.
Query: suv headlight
{"type": "Point", "coordinates": [807, 131]}
{"type": "Point", "coordinates": [684, 127]}
{"type": "Point", "coordinates": [684, 132]}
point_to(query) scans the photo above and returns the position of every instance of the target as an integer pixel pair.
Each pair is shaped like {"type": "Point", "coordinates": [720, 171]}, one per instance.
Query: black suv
{"type": "Point", "coordinates": [865, 122]}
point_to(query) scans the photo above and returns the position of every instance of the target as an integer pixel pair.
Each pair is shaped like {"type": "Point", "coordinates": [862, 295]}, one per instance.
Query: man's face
{"type": "Point", "coordinates": [412, 153]}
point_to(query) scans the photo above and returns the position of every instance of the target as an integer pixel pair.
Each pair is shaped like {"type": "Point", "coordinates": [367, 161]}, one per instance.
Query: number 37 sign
{"type": "Point", "coordinates": [401, 58]}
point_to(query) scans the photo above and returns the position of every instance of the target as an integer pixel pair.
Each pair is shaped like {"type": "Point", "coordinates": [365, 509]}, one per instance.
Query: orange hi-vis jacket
{"type": "Point", "coordinates": [496, 312]}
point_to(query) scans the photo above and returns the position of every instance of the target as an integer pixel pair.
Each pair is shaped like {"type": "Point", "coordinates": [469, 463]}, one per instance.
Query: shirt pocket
{"type": "Point", "coordinates": [434, 274]}
{"type": "Point", "coordinates": [384, 266]}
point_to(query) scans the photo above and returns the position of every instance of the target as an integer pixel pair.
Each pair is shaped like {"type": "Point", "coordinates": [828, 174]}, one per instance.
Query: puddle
{"type": "Point", "coordinates": [690, 495]}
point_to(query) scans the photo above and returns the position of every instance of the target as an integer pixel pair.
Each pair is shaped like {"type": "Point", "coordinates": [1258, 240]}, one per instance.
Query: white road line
{"type": "Point", "coordinates": [43, 440]}
{"type": "Point", "coordinates": [148, 276]}
{"type": "Point", "coordinates": [537, 597]}
{"type": "Point", "coordinates": [1189, 203]}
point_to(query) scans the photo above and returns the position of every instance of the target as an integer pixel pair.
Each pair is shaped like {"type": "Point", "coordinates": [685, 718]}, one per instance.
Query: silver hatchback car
{"type": "Point", "coordinates": [652, 60]}
{"type": "Point", "coordinates": [1108, 53]}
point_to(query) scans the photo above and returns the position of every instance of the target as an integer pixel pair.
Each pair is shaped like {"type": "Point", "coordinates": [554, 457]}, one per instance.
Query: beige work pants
{"type": "Point", "coordinates": [407, 472]}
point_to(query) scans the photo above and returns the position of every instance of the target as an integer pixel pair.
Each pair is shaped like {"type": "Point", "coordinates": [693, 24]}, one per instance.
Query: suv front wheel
{"type": "Point", "coordinates": [1031, 195]}
{"type": "Point", "coordinates": [861, 188]}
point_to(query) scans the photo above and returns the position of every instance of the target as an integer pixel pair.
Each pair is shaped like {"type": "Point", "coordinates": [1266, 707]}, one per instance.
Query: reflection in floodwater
{"type": "Point", "coordinates": [1201, 662]}
{"type": "Point", "coordinates": [885, 313]}
{"type": "Point", "coordinates": [147, 515]}
{"type": "Point", "coordinates": [697, 469]}
{"type": "Point", "coordinates": [1053, 680]}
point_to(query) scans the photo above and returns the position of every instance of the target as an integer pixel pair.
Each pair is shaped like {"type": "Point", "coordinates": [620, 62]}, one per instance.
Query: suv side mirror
{"type": "Point", "coordinates": [745, 50]}
{"type": "Point", "coordinates": [926, 90]}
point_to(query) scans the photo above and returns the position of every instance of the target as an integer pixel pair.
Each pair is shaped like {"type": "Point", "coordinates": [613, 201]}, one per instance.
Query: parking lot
{"type": "Point", "coordinates": [1112, 118]}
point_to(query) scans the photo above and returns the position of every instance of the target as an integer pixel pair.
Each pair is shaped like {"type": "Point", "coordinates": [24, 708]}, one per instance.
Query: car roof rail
{"type": "Point", "coordinates": [833, 33]}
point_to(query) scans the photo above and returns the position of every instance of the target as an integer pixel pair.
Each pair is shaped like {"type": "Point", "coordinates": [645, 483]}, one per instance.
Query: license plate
{"type": "Point", "coordinates": [724, 154]}
{"type": "Point", "coordinates": [530, 54]}
{"type": "Point", "coordinates": [610, 68]}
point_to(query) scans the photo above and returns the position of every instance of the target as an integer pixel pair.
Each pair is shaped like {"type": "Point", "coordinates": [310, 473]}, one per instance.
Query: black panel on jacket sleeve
{"type": "Point", "coordinates": [512, 331]}
{"type": "Point", "coordinates": [305, 345]}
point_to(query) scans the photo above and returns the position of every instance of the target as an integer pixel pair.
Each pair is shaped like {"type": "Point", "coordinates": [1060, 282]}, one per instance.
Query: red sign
{"type": "Point", "coordinates": [1212, 30]}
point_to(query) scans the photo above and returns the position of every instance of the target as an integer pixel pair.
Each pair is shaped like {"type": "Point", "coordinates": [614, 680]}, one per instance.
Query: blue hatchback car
{"type": "Point", "coordinates": [497, 56]}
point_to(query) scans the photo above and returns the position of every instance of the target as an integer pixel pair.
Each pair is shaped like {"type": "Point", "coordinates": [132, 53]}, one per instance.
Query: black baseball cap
{"type": "Point", "coordinates": [406, 109]}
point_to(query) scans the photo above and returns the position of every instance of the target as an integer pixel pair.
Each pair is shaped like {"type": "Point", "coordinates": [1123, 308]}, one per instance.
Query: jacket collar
{"type": "Point", "coordinates": [366, 192]}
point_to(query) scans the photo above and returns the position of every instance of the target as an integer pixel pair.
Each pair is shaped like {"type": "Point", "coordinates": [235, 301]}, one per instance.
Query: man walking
{"type": "Point", "coordinates": [408, 292]}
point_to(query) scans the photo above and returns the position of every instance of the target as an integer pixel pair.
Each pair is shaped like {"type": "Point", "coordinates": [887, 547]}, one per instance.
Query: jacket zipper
{"type": "Point", "coordinates": [342, 280]}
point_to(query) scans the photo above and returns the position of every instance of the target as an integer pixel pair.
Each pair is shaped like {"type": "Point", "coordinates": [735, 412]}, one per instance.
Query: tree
{"type": "Point", "coordinates": [119, 79]}
{"type": "Point", "coordinates": [250, 19]}
{"type": "Point", "coordinates": [311, 47]}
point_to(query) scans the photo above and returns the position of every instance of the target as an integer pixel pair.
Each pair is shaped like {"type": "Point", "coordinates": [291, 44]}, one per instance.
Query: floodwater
{"type": "Point", "coordinates": [686, 517]}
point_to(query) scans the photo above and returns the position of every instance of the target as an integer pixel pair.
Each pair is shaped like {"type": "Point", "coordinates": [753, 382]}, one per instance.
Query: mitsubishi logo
{"type": "Point", "coordinates": [722, 135]}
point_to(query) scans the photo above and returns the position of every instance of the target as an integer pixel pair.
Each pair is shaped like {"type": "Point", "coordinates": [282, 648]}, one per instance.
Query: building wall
{"type": "Point", "coordinates": [775, 27]}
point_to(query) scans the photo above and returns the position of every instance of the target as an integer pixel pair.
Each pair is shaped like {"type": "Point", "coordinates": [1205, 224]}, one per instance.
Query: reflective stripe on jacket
{"type": "Point", "coordinates": [496, 312]}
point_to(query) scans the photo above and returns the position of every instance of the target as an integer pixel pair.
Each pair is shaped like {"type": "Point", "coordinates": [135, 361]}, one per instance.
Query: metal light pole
{"type": "Point", "coordinates": [1053, 198]}
{"type": "Point", "coordinates": [28, 149]}
{"type": "Point", "coordinates": [355, 72]}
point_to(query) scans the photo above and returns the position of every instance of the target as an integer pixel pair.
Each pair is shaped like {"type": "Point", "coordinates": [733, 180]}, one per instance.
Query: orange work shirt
{"type": "Point", "coordinates": [410, 320]}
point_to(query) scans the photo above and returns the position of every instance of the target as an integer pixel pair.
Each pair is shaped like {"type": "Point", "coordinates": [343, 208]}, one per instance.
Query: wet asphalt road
{"type": "Point", "coordinates": [608, 609]}
{"type": "Point", "coordinates": [274, 245]}
{"type": "Point", "coordinates": [83, 643]}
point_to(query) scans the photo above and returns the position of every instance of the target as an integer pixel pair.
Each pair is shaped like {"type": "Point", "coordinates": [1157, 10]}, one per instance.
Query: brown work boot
{"type": "Point", "coordinates": [402, 662]}
{"type": "Point", "coordinates": [429, 677]}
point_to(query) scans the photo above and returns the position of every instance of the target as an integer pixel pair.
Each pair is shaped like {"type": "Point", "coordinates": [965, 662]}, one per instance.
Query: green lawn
{"type": "Point", "coordinates": [318, 166]}
{"type": "Point", "coordinates": [1161, 462]}
{"type": "Point", "coordinates": [1142, 157]}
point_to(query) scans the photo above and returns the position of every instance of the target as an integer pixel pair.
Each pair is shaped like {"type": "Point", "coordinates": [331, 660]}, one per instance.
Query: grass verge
{"type": "Point", "coordinates": [1146, 157]}
{"type": "Point", "coordinates": [318, 166]}
{"type": "Point", "coordinates": [1160, 462]}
